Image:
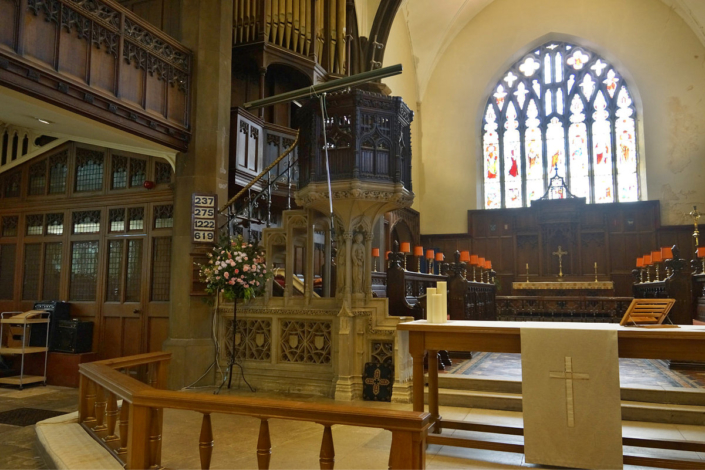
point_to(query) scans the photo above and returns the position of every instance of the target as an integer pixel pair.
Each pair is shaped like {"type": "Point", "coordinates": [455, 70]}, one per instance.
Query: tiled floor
{"type": "Point", "coordinates": [17, 444]}
{"type": "Point", "coordinates": [295, 444]}
{"type": "Point", "coordinates": [632, 372]}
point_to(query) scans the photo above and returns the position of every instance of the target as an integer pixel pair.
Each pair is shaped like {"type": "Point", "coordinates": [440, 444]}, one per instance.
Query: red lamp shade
{"type": "Point", "coordinates": [488, 264]}
{"type": "Point", "coordinates": [667, 252]}
{"type": "Point", "coordinates": [656, 256]}
{"type": "Point", "coordinates": [375, 252]}
{"type": "Point", "coordinates": [464, 256]}
{"type": "Point", "coordinates": [439, 256]}
{"type": "Point", "coordinates": [481, 262]}
{"type": "Point", "coordinates": [429, 254]}
{"type": "Point", "coordinates": [474, 260]}
{"type": "Point", "coordinates": [701, 252]}
{"type": "Point", "coordinates": [406, 247]}
{"type": "Point", "coordinates": [149, 184]}
{"type": "Point", "coordinates": [640, 262]}
{"type": "Point", "coordinates": [418, 251]}
{"type": "Point", "coordinates": [386, 254]}
{"type": "Point", "coordinates": [647, 260]}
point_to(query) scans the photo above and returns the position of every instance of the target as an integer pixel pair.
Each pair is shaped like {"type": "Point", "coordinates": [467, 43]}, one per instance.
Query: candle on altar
{"type": "Point", "coordinates": [418, 251]}
{"type": "Point", "coordinates": [481, 262]}
{"type": "Point", "coordinates": [429, 254]}
{"type": "Point", "coordinates": [667, 252]}
{"type": "Point", "coordinates": [430, 304]}
{"type": "Point", "coordinates": [375, 252]}
{"type": "Point", "coordinates": [438, 308]}
{"type": "Point", "coordinates": [464, 256]}
{"type": "Point", "coordinates": [439, 256]}
{"type": "Point", "coordinates": [473, 260]}
{"type": "Point", "coordinates": [442, 289]}
{"type": "Point", "coordinates": [405, 247]}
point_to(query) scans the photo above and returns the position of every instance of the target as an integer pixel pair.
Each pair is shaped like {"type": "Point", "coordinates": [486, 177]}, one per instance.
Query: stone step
{"type": "Point", "coordinates": [671, 395]}
{"type": "Point", "coordinates": [631, 410]}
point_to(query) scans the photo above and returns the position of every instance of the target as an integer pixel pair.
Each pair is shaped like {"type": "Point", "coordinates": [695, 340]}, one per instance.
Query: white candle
{"type": "Point", "coordinates": [442, 289]}
{"type": "Point", "coordinates": [438, 305]}
{"type": "Point", "coordinates": [430, 292]}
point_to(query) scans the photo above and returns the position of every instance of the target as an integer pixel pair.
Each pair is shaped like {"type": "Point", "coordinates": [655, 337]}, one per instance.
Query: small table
{"type": "Point", "coordinates": [686, 343]}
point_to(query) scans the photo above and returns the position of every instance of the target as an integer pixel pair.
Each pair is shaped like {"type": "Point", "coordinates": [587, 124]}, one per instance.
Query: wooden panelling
{"type": "Point", "coordinates": [613, 235]}
{"type": "Point", "coordinates": [68, 50]}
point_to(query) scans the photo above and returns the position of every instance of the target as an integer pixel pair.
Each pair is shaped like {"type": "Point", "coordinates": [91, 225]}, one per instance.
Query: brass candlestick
{"type": "Point", "coordinates": [596, 272]}
{"type": "Point", "coordinates": [430, 265]}
{"type": "Point", "coordinates": [474, 279]}
{"type": "Point", "coordinates": [374, 263]}
{"type": "Point", "coordinates": [527, 272]}
{"type": "Point", "coordinates": [696, 234]}
{"type": "Point", "coordinates": [648, 274]}
{"type": "Point", "coordinates": [656, 267]}
{"type": "Point", "coordinates": [641, 276]}
{"type": "Point", "coordinates": [418, 264]}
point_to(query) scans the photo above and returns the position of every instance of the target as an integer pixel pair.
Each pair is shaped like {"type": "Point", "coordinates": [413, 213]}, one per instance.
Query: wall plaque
{"type": "Point", "coordinates": [204, 212]}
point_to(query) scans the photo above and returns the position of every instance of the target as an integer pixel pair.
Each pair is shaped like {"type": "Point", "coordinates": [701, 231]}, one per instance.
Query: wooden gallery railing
{"type": "Point", "coordinates": [314, 29]}
{"type": "Point", "coordinates": [676, 284]}
{"type": "Point", "coordinates": [133, 431]}
{"type": "Point", "coordinates": [99, 59]}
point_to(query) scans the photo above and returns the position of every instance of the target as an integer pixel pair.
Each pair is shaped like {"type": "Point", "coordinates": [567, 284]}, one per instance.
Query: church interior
{"type": "Point", "coordinates": [352, 233]}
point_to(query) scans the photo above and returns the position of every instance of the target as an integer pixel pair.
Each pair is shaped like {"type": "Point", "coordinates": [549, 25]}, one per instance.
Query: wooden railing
{"type": "Point", "coordinates": [133, 432]}
{"type": "Point", "coordinates": [562, 308]}
{"type": "Point", "coordinates": [101, 60]}
{"type": "Point", "coordinates": [304, 27]}
{"type": "Point", "coordinates": [470, 299]}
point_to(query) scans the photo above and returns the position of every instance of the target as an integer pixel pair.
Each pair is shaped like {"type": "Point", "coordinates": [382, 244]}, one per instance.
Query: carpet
{"type": "Point", "coordinates": [27, 416]}
{"type": "Point", "coordinates": [632, 372]}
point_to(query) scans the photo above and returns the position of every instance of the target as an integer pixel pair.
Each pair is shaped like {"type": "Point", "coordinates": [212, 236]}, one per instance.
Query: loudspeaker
{"type": "Point", "coordinates": [58, 311]}
{"type": "Point", "coordinates": [74, 336]}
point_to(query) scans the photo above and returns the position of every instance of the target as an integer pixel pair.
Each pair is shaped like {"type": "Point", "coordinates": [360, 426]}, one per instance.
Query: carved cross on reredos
{"type": "Point", "coordinates": [568, 375]}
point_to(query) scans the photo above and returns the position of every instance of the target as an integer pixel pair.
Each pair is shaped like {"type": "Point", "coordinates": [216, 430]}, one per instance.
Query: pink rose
{"type": "Point", "coordinates": [237, 270]}
{"type": "Point", "coordinates": [226, 275]}
{"type": "Point", "coordinates": [246, 285]}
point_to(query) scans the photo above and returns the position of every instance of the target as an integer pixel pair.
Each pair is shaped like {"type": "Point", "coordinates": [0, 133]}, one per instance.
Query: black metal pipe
{"type": "Point", "coordinates": [327, 87]}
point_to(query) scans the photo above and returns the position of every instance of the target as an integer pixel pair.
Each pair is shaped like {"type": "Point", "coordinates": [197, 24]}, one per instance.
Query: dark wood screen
{"type": "Point", "coordinates": [77, 224]}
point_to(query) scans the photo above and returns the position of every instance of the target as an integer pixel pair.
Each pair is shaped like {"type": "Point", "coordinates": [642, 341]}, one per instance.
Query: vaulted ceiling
{"type": "Point", "coordinates": [433, 25]}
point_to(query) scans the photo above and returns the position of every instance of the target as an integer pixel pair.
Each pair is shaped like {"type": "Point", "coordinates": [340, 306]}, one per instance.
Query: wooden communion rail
{"type": "Point", "coordinates": [132, 433]}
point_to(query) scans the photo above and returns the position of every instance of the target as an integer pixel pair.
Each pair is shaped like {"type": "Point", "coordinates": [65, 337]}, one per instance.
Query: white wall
{"type": "Point", "coordinates": [645, 39]}
{"type": "Point", "coordinates": [399, 51]}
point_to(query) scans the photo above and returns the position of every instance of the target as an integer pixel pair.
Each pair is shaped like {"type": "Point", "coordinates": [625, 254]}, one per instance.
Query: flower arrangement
{"type": "Point", "coordinates": [236, 268]}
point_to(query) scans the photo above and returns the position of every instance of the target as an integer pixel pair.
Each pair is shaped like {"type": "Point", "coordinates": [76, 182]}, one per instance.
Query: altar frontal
{"type": "Point", "coordinates": [571, 397]}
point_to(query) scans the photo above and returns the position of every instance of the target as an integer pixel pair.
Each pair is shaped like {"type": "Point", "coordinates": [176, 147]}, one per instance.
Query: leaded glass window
{"type": "Point", "coordinates": [560, 109]}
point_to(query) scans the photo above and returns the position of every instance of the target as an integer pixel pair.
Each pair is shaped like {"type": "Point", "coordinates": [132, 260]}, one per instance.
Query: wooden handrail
{"type": "Point", "coordinates": [141, 416]}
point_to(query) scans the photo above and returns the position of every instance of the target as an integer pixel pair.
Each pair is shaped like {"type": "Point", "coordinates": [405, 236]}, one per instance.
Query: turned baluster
{"type": "Point", "coordinates": [112, 414]}
{"type": "Point", "coordinates": [264, 446]}
{"type": "Point", "coordinates": [100, 406]}
{"type": "Point", "coordinates": [90, 402]}
{"type": "Point", "coordinates": [155, 439]}
{"type": "Point", "coordinates": [205, 444]}
{"type": "Point", "coordinates": [327, 457]}
{"type": "Point", "coordinates": [124, 426]}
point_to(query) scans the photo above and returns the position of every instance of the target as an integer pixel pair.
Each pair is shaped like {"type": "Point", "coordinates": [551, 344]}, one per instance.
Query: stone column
{"type": "Point", "coordinates": [369, 236]}
{"type": "Point", "coordinates": [207, 31]}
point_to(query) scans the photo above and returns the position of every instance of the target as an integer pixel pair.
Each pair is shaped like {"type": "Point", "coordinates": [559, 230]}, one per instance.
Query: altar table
{"type": "Point", "coordinates": [686, 343]}
{"type": "Point", "coordinates": [577, 288]}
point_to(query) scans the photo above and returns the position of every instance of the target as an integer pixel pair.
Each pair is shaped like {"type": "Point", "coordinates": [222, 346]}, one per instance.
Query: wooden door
{"type": "Point", "coordinates": [125, 267]}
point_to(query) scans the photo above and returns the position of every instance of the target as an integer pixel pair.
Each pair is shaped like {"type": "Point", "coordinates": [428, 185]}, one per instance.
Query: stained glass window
{"type": "Point", "coordinates": [561, 108]}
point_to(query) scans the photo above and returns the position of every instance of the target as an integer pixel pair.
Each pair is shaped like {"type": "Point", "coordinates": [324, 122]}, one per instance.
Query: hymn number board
{"type": "Point", "coordinates": [203, 229]}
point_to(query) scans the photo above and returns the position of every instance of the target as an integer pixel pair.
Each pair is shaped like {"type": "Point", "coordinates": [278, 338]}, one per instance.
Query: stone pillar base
{"type": "Point", "coordinates": [402, 393]}
{"type": "Point", "coordinates": [189, 360]}
{"type": "Point", "coordinates": [348, 388]}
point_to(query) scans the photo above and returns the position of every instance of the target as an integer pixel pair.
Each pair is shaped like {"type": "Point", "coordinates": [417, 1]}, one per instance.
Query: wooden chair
{"type": "Point", "coordinates": [647, 312]}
